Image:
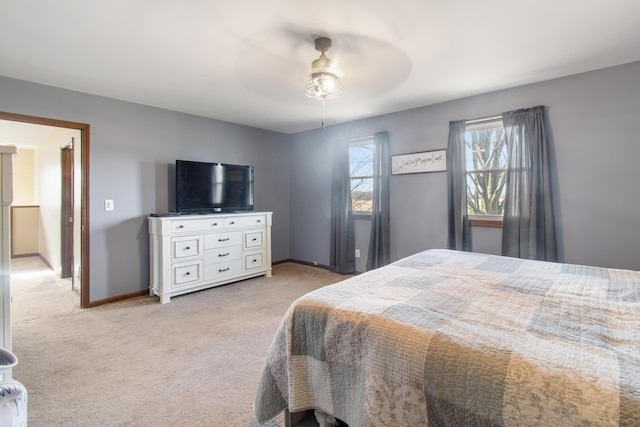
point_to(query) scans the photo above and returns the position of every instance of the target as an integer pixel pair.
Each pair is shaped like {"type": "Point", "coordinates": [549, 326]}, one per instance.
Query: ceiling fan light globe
{"type": "Point", "coordinates": [323, 86]}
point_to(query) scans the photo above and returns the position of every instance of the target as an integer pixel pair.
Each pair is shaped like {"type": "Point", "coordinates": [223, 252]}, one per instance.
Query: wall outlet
{"type": "Point", "coordinates": [357, 253]}
{"type": "Point", "coordinates": [108, 205]}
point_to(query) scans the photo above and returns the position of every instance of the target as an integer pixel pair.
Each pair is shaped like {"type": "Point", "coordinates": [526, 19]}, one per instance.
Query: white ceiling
{"type": "Point", "coordinates": [247, 61]}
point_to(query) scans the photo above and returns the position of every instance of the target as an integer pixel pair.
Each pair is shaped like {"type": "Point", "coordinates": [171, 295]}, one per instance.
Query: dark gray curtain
{"type": "Point", "coordinates": [343, 252]}
{"type": "Point", "coordinates": [459, 229]}
{"type": "Point", "coordinates": [528, 229]}
{"type": "Point", "coordinates": [379, 246]}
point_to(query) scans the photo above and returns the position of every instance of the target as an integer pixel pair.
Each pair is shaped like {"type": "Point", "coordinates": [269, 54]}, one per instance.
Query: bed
{"type": "Point", "coordinates": [450, 338]}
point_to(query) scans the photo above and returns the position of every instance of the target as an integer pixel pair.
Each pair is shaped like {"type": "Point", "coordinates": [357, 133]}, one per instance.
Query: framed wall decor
{"type": "Point", "coordinates": [427, 161]}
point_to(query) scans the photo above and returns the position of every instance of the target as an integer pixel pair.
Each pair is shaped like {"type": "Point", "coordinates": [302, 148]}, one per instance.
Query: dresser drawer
{"type": "Point", "coordinates": [229, 253]}
{"type": "Point", "coordinates": [187, 273]}
{"type": "Point", "coordinates": [246, 221]}
{"type": "Point", "coordinates": [185, 247]}
{"type": "Point", "coordinates": [195, 225]}
{"type": "Point", "coordinates": [221, 270]}
{"type": "Point", "coordinates": [220, 240]}
{"type": "Point", "coordinates": [253, 239]}
{"type": "Point", "coordinates": [254, 260]}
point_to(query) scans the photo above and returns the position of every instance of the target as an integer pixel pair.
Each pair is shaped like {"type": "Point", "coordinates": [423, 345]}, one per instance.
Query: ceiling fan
{"type": "Point", "coordinates": [324, 82]}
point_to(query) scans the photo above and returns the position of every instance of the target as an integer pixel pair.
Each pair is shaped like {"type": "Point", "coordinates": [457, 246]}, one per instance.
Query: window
{"type": "Point", "coordinates": [361, 173]}
{"type": "Point", "coordinates": [486, 156]}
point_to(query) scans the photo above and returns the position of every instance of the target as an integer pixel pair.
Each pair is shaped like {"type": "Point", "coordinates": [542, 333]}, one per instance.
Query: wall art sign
{"type": "Point", "coordinates": [428, 161]}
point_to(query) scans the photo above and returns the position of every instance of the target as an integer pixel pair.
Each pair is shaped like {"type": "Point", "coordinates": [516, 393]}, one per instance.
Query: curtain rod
{"type": "Point", "coordinates": [483, 119]}
{"type": "Point", "coordinates": [362, 138]}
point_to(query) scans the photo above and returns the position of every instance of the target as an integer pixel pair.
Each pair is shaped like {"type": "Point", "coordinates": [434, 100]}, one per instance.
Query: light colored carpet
{"type": "Point", "coordinates": [193, 362]}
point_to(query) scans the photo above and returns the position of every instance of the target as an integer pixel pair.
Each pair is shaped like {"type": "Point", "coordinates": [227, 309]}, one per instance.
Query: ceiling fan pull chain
{"type": "Point", "coordinates": [324, 127]}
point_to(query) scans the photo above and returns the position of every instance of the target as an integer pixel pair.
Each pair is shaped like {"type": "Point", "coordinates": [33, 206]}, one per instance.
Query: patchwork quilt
{"type": "Point", "coordinates": [451, 338]}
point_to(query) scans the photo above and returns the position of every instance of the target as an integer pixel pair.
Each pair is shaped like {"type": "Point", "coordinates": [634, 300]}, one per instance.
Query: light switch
{"type": "Point", "coordinates": [108, 205]}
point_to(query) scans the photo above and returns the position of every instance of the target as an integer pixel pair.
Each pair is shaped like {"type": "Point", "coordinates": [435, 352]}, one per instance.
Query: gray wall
{"type": "Point", "coordinates": [132, 152]}
{"type": "Point", "coordinates": [595, 149]}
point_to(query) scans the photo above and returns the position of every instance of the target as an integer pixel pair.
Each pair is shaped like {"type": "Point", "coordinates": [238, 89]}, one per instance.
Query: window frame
{"type": "Point", "coordinates": [479, 220]}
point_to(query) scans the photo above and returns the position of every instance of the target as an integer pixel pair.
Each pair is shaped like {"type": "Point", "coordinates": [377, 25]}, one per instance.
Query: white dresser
{"type": "Point", "coordinates": [193, 252]}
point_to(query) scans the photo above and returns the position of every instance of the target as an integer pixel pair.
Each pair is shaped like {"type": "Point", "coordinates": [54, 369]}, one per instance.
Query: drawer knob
{"type": "Point", "coordinates": [223, 240]}
{"type": "Point", "coordinates": [187, 273]}
{"type": "Point", "coordinates": [221, 255]}
{"type": "Point", "coordinates": [215, 224]}
{"type": "Point", "coordinates": [259, 220]}
{"type": "Point", "coordinates": [232, 222]}
{"type": "Point", "coordinates": [181, 226]}
{"type": "Point", "coordinates": [187, 248]}
{"type": "Point", "coordinates": [255, 260]}
{"type": "Point", "coordinates": [222, 270]}
{"type": "Point", "coordinates": [254, 239]}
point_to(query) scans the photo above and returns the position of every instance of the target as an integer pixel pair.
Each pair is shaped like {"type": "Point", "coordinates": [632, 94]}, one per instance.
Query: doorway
{"type": "Point", "coordinates": [83, 228]}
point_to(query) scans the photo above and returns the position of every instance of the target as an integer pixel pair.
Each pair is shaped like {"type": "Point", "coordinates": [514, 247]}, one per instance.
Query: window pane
{"type": "Point", "coordinates": [486, 161]}
{"type": "Point", "coordinates": [361, 194]}
{"type": "Point", "coordinates": [486, 149]}
{"type": "Point", "coordinates": [361, 160]}
{"type": "Point", "coordinates": [485, 193]}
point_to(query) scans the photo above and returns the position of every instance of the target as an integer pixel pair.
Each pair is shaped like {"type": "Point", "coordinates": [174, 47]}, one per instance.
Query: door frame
{"type": "Point", "coordinates": [85, 300]}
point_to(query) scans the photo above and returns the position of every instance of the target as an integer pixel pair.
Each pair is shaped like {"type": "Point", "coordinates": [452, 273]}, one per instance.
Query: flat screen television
{"type": "Point", "coordinates": [213, 187]}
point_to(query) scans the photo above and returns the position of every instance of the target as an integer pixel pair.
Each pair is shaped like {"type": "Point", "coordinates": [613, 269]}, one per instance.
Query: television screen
{"type": "Point", "coordinates": [213, 187]}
